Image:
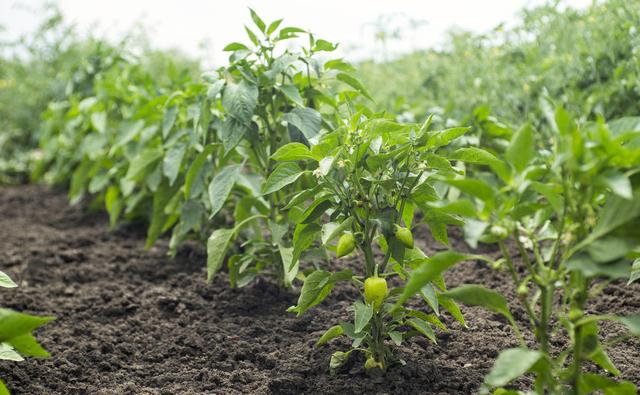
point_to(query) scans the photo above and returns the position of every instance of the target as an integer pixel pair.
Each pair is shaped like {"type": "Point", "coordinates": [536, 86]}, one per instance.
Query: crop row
{"type": "Point", "coordinates": [276, 161]}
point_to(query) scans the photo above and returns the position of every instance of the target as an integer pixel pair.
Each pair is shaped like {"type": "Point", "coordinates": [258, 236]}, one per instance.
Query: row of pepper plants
{"type": "Point", "coordinates": [276, 162]}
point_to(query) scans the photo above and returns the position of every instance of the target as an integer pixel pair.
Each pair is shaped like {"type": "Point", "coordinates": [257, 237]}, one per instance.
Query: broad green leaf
{"type": "Point", "coordinates": [306, 120]}
{"type": "Point", "coordinates": [590, 268]}
{"type": "Point", "coordinates": [521, 149]}
{"type": "Point", "coordinates": [292, 93]}
{"type": "Point", "coordinates": [289, 267]}
{"type": "Point", "coordinates": [273, 26]}
{"type": "Point", "coordinates": [474, 187]}
{"type": "Point", "coordinates": [99, 121]}
{"type": "Point", "coordinates": [158, 217]}
{"type": "Point", "coordinates": [235, 47]}
{"type": "Point", "coordinates": [481, 157]}
{"type": "Point", "coordinates": [283, 175]}
{"type": "Point", "coordinates": [6, 281]}
{"type": "Point", "coordinates": [195, 171]}
{"type": "Point", "coordinates": [616, 212]}
{"type": "Point", "coordinates": [27, 345]}
{"type": "Point", "coordinates": [632, 322]}
{"type": "Point", "coordinates": [330, 334]}
{"type": "Point", "coordinates": [143, 161]}
{"type": "Point", "coordinates": [292, 152]}
{"type": "Point", "coordinates": [476, 295]}
{"type": "Point", "coordinates": [511, 364]}
{"type": "Point", "coordinates": [429, 270]}
{"type": "Point", "coordinates": [354, 83]}
{"type": "Point", "coordinates": [619, 184]}
{"type": "Point", "coordinates": [14, 324]}
{"type": "Point", "coordinates": [590, 383]}
{"type": "Point", "coordinates": [332, 230]}
{"type": "Point", "coordinates": [422, 327]}
{"type": "Point", "coordinates": [170, 115]}
{"type": "Point", "coordinates": [316, 287]}
{"type": "Point", "coordinates": [444, 137]}
{"type": "Point", "coordinates": [216, 250]}
{"type": "Point", "coordinates": [593, 350]}
{"type": "Point", "coordinates": [221, 185]}
{"type": "Point", "coordinates": [315, 210]}
{"type": "Point", "coordinates": [363, 313]}
{"type": "Point", "coordinates": [303, 237]}
{"type": "Point", "coordinates": [172, 161]}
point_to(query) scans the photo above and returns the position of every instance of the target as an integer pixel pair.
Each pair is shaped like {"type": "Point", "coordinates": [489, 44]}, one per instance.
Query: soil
{"type": "Point", "coordinates": [131, 321]}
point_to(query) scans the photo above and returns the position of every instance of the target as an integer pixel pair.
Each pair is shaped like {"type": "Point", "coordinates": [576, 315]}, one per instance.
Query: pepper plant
{"type": "Point", "coordinates": [16, 340]}
{"type": "Point", "coordinates": [564, 209]}
{"type": "Point", "coordinates": [270, 96]}
{"type": "Point", "coordinates": [372, 177]}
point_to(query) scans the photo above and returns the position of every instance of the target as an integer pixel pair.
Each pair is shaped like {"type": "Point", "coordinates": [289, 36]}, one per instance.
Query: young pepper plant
{"type": "Point", "coordinates": [372, 176]}
{"type": "Point", "coordinates": [270, 96]}
{"type": "Point", "coordinates": [570, 212]}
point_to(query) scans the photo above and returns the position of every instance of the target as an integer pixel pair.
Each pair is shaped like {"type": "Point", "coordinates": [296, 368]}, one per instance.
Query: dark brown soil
{"type": "Point", "coordinates": [136, 322]}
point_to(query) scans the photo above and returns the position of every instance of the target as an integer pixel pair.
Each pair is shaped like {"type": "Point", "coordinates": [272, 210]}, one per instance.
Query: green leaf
{"type": "Point", "coordinates": [444, 137]}
{"type": "Point", "coordinates": [635, 271]}
{"type": "Point", "coordinates": [158, 217]}
{"type": "Point", "coordinates": [194, 171]}
{"type": "Point", "coordinates": [332, 230]}
{"type": "Point", "coordinates": [619, 184]}
{"type": "Point", "coordinates": [273, 26]}
{"type": "Point", "coordinates": [221, 185]}
{"type": "Point", "coordinates": [27, 345]}
{"type": "Point", "coordinates": [303, 237]}
{"type": "Point", "coordinates": [99, 121]}
{"type": "Point", "coordinates": [589, 383]}
{"type": "Point", "coordinates": [256, 19]}
{"type": "Point", "coordinates": [324, 45]}
{"type": "Point", "coordinates": [289, 266]}
{"type": "Point", "coordinates": [511, 364]}
{"type": "Point", "coordinates": [292, 152]}
{"type": "Point", "coordinates": [429, 270]}
{"type": "Point", "coordinates": [476, 295]}
{"type": "Point", "coordinates": [632, 322]}
{"type": "Point", "coordinates": [169, 120]}
{"type": "Point", "coordinates": [316, 287]}
{"type": "Point", "coordinates": [7, 353]}
{"type": "Point", "coordinates": [422, 327]}
{"type": "Point", "coordinates": [481, 157]}
{"type": "Point", "coordinates": [363, 313]}
{"type": "Point", "coordinates": [239, 101]}
{"type": "Point", "coordinates": [235, 47]}
{"type": "Point", "coordinates": [172, 161]}
{"type": "Point", "coordinates": [292, 93]}
{"type": "Point", "coordinates": [14, 324]}
{"type": "Point", "coordinates": [521, 149]}
{"type": "Point", "coordinates": [6, 281]}
{"type": "Point", "coordinates": [283, 175]}
{"type": "Point", "coordinates": [143, 161]}
{"type": "Point", "coordinates": [354, 83]}
{"type": "Point", "coordinates": [306, 120]}
{"type": "Point", "coordinates": [593, 350]}
{"type": "Point", "coordinates": [330, 334]}
{"type": "Point", "coordinates": [216, 250]}
{"type": "Point", "coordinates": [474, 187]}
{"type": "Point", "coordinates": [315, 210]}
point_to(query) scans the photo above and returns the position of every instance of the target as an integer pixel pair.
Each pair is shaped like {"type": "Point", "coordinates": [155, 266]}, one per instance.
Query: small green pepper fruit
{"type": "Point", "coordinates": [575, 314]}
{"type": "Point", "coordinates": [523, 289]}
{"type": "Point", "coordinates": [405, 236]}
{"type": "Point", "coordinates": [371, 363]}
{"type": "Point", "coordinates": [346, 244]}
{"type": "Point", "coordinates": [375, 290]}
{"type": "Point", "coordinates": [499, 232]}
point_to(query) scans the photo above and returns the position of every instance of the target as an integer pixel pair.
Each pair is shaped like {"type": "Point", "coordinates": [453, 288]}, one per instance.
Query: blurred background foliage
{"type": "Point", "coordinates": [588, 60]}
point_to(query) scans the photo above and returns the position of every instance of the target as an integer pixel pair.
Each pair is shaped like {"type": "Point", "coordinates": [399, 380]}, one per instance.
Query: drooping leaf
{"type": "Point", "coordinates": [221, 185]}
{"type": "Point", "coordinates": [511, 364]}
